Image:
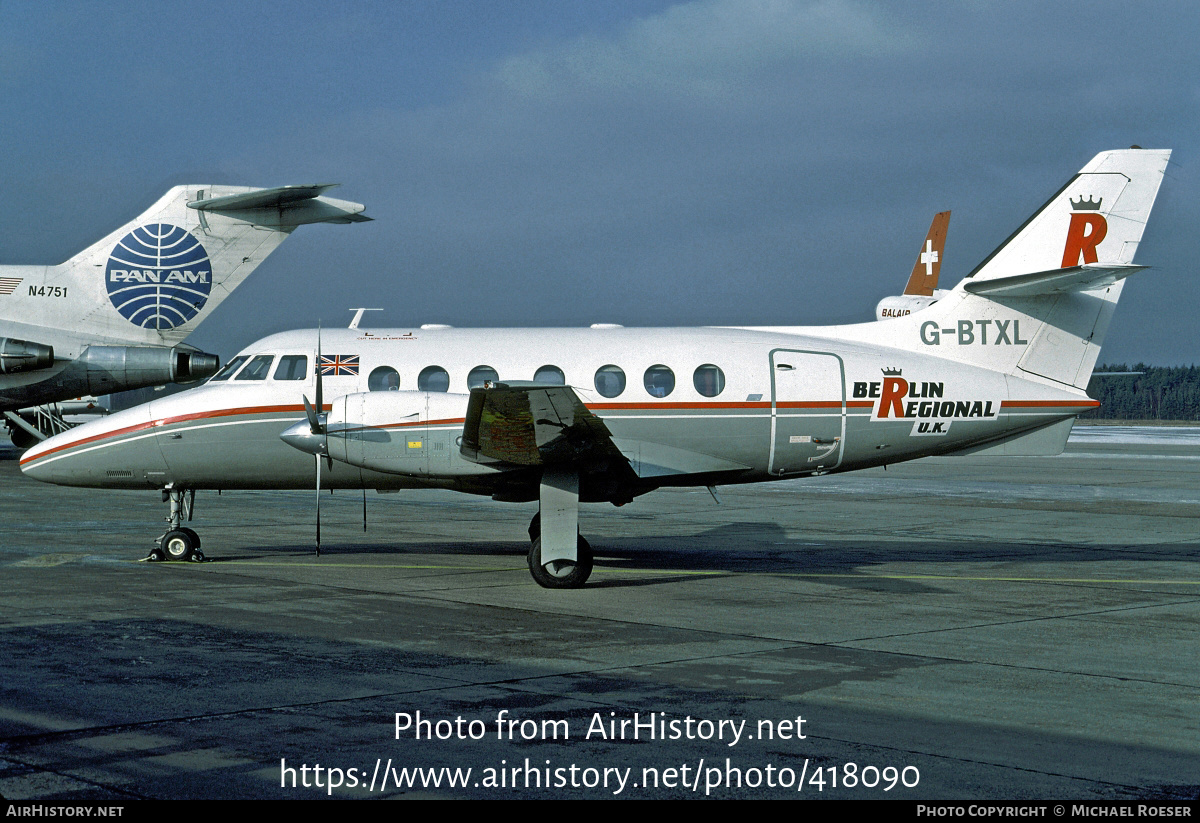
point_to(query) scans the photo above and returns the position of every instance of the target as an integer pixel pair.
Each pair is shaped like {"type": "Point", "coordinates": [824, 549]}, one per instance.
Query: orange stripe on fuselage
{"type": "Point", "coordinates": [1047, 404]}
{"type": "Point", "coordinates": [678, 406]}
{"type": "Point", "coordinates": [167, 421]}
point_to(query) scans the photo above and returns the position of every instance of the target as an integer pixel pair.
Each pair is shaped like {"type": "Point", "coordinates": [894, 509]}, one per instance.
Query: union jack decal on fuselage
{"type": "Point", "coordinates": [333, 365]}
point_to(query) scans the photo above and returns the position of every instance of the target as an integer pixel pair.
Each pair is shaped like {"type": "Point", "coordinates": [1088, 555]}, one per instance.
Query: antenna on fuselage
{"type": "Point", "coordinates": [358, 313]}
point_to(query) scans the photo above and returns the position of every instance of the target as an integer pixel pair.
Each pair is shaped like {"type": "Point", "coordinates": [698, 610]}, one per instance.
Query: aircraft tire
{"type": "Point", "coordinates": [178, 545]}
{"type": "Point", "coordinates": [535, 526]}
{"type": "Point", "coordinates": [561, 574]}
{"type": "Point", "coordinates": [192, 534]}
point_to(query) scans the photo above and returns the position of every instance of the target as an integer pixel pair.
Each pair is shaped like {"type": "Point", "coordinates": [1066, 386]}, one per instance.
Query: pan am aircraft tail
{"type": "Point", "coordinates": [112, 317]}
{"type": "Point", "coordinates": [169, 268]}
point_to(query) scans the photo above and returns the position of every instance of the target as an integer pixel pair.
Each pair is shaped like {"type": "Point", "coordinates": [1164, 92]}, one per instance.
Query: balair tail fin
{"type": "Point", "coordinates": [927, 269]}
{"type": "Point", "coordinates": [921, 290]}
{"type": "Point", "coordinates": [153, 280]}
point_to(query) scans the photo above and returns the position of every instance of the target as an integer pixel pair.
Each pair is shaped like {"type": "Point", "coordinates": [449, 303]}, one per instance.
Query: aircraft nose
{"type": "Point", "coordinates": [117, 451]}
{"type": "Point", "coordinates": [300, 436]}
{"type": "Point", "coordinates": [34, 465]}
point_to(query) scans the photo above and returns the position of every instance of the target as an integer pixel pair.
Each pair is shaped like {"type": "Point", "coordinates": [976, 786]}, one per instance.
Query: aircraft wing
{"type": "Point", "coordinates": [532, 424]}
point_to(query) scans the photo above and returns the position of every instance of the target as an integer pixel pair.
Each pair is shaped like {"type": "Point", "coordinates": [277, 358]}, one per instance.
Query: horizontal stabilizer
{"type": "Point", "coordinates": [284, 206]}
{"type": "Point", "coordinates": [1087, 277]}
{"type": "Point", "coordinates": [280, 197]}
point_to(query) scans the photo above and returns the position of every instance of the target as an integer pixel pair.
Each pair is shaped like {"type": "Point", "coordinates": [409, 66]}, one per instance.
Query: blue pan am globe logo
{"type": "Point", "coordinates": [158, 276]}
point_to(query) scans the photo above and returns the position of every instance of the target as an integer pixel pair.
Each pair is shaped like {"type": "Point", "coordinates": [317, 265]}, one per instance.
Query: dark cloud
{"type": "Point", "coordinates": [647, 164]}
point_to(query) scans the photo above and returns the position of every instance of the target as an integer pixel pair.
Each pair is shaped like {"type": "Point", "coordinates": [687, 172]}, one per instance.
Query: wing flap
{"type": "Point", "coordinates": [535, 425]}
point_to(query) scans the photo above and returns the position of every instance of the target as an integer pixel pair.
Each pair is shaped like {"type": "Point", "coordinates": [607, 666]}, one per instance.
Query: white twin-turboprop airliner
{"type": "Point", "coordinates": [562, 416]}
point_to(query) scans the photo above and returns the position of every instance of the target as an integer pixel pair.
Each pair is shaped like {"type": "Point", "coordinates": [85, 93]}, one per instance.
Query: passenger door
{"type": "Point", "coordinates": [808, 411]}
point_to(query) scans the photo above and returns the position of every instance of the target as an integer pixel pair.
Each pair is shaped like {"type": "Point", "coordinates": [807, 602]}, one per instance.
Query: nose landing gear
{"type": "Point", "coordinates": [179, 542]}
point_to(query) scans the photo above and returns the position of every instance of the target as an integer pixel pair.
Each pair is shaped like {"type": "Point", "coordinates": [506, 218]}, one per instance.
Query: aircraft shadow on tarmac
{"type": "Point", "coordinates": [765, 548]}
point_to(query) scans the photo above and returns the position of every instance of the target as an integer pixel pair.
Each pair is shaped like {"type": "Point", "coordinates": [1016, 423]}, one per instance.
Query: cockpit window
{"type": "Point", "coordinates": [230, 367]}
{"type": "Point", "coordinates": [256, 369]}
{"type": "Point", "coordinates": [292, 367]}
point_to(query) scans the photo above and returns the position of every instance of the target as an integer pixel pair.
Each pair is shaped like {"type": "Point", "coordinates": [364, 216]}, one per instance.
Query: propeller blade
{"type": "Point", "coordinates": [318, 505]}
{"type": "Point", "coordinates": [314, 418]}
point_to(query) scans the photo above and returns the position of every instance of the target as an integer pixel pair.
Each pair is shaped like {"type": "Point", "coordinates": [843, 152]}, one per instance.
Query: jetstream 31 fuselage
{"type": "Point", "coordinates": [564, 416]}
{"type": "Point", "coordinates": [697, 407]}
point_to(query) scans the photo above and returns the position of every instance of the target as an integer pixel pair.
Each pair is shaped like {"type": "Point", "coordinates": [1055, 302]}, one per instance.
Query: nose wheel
{"type": "Point", "coordinates": [180, 543]}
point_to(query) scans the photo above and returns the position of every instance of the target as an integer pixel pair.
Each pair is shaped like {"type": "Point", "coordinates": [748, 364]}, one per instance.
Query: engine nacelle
{"type": "Point", "coordinates": [119, 368]}
{"type": "Point", "coordinates": [900, 305]}
{"type": "Point", "coordinates": [401, 432]}
{"type": "Point", "coordinates": [24, 355]}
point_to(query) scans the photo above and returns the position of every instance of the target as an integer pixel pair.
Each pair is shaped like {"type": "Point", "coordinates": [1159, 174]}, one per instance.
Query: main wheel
{"type": "Point", "coordinates": [177, 544]}
{"type": "Point", "coordinates": [561, 574]}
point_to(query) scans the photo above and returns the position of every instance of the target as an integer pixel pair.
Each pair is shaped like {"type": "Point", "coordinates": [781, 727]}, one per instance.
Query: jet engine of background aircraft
{"type": "Point", "coordinates": [113, 317]}
{"type": "Point", "coordinates": [999, 365]}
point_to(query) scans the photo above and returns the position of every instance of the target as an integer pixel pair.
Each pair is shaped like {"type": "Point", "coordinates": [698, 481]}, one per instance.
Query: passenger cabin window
{"type": "Point", "coordinates": [384, 378]}
{"type": "Point", "coordinates": [433, 378]}
{"type": "Point", "coordinates": [480, 375]}
{"type": "Point", "coordinates": [660, 381]}
{"type": "Point", "coordinates": [549, 376]}
{"type": "Point", "coordinates": [257, 369]}
{"type": "Point", "coordinates": [292, 367]}
{"type": "Point", "coordinates": [230, 367]}
{"type": "Point", "coordinates": [610, 380]}
{"type": "Point", "coordinates": [709, 380]}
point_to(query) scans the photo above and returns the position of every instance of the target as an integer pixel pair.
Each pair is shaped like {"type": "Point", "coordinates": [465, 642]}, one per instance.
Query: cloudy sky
{"type": "Point", "coordinates": [536, 163]}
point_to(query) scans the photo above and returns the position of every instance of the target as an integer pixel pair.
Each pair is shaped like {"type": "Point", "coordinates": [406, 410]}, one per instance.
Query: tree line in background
{"type": "Point", "coordinates": [1158, 393]}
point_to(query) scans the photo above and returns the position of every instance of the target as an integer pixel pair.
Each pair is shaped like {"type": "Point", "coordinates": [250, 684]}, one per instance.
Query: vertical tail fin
{"type": "Point", "coordinates": [1097, 217]}
{"type": "Point", "coordinates": [921, 290]}
{"type": "Point", "coordinates": [154, 279]}
{"type": "Point", "coordinates": [1039, 305]}
{"type": "Point", "coordinates": [927, 269]}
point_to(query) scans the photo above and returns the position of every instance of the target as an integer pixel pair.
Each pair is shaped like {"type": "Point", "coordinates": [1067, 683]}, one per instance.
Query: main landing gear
{"type": "Point", "coordinates": [559, 558]}
{"type": "Point", "coordinates": [179, 542]}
